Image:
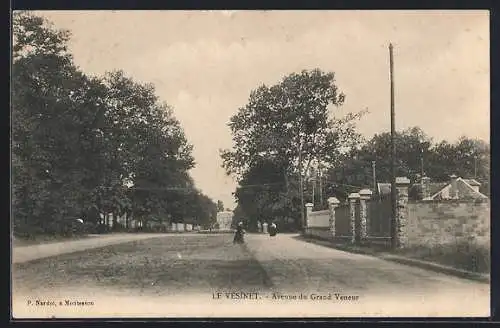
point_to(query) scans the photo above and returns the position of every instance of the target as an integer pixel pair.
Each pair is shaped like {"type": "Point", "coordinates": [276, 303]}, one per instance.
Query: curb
{"type": "Point", "coordinates": [438, 268]}
{"type": "Point", "coordinates": [484, 278]}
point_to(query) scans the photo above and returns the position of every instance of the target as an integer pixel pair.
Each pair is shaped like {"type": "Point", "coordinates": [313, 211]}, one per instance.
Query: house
{"type": "Point", "coordinates": [224, 220]}
{"type": "Point", "coordinates": [455, 188]}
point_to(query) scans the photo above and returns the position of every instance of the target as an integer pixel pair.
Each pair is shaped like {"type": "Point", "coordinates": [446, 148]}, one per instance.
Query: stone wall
{"type": "Point", "coordinates": [319, 232]}
{"type": "Point", "coordinates": [319, 219]}
{"type": "Point", "coordinates": [424, 223]}
{"type": "Point", "coordinates": [447, 221]}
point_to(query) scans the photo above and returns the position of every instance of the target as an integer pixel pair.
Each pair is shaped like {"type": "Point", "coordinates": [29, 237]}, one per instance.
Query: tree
{"type": "Point", "coordinates": [52, 106]}
{"type": "Point", "coordinates": [467, 158]}
{"type": "Point", "coordinates": [262, 194]}
{"type": "Point", "coordinates": [355, 168]}
{"type": "Point", "coordinates": [79, 143]}
{"type": "Point", "coordinates": [145, 146]}
{"type": "Point", "coordinates": [415, 152]}
{"type": "Point", "coordinates": [290, 123]}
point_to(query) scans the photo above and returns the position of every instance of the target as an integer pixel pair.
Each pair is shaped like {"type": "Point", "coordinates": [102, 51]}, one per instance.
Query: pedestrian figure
{"type": "Point", "coordinates": [238, 236]}
{"type": "Point", "coordinates": [264, 227]}
{"type": "Point", "coordinates": [259, 226]}
{"type": "Point", "coordinates": [273, 229]}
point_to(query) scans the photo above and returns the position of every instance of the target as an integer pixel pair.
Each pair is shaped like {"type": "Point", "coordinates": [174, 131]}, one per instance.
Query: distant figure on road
{"type": "Point", "coordinates": [273, 229]}
{"type": "Point", "coordinates": [238, 236]}
{"type": "Point", "coordinates": [259, 226]}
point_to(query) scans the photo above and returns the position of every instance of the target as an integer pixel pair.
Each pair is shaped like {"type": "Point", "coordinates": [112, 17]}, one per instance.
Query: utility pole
{"type": "Point", "coordinates": [302, 218]}
{"type": "Point", "coordinates": [475, 166]}
{"type": "Point", "coordinates": [421, 163]}
{"type": "Point", "coordinates": [320, 176]}
{"type": "Point", "coordinates": [421, 169]}
{"type": "Point", "coordinates": [374, 177]}
{"type": "Point", "coordinates": [313, 178]}
{"type": "Point", "coordinates": [393, 155]}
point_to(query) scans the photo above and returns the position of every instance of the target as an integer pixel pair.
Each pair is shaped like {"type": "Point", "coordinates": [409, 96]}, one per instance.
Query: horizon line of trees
{"type": "Point", "coordinates": [416, 154]}
{"type": "Point", "coordinates": [87, 145]}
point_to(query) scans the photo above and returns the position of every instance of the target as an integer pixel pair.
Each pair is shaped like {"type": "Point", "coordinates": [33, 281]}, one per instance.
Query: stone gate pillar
{"type": "Point", "coordinates": [353, 199]}
{"type": "Point", "coordinates": [365, 196]}
{"type": "Point", "coordinates": [402, 184]}
{"type": "Point", "coordinates": [309, 208]}
{"type": "Point", "coordinates": [333, 203]}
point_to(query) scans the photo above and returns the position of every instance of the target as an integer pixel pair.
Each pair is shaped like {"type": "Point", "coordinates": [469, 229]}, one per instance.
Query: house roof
{"type": "Point", "coordinates": [472, 182]}
{"type": "Point", "coordinates": [434, 187]}
{"type": "Point", "coordinates": [464, 188]}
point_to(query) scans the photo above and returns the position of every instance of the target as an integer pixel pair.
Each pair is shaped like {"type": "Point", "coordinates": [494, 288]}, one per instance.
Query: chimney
{"type": "Point", "coordinates": [454, 188]}
{"type": "Point", "coordinates": [426, 192]}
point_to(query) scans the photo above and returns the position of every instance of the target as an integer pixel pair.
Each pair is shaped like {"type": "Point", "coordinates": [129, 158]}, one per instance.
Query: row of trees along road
{"type": "Point", "coordinates": [282, 132]}
{"type": "Point", "coordinates": [288, 130]}
{"type": "Point", "coordinates": [84, 145]}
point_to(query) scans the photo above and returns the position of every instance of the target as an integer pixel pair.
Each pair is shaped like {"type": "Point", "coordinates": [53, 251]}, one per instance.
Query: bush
{"type": "Point", "coordinates": [27, 231]}
{"type": "Point", "coordinates": [118, 227]}
{"type": "Point", "coordinates": [463, 254]}
{"type": "Point", "coordinates": [90, 227]}
{"type": "Point", "coordinates": [102, 228]}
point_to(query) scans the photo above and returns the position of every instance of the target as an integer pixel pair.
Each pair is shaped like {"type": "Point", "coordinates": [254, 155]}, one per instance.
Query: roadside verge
{"type": "Point", "coordinates": [480, 277]}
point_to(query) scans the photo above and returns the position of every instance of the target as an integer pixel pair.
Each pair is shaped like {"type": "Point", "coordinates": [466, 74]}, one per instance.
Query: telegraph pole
{"type": "Point", "coordinates": [475, 166]}
{"type": "Point", "coordinates": [393, 155]}
{"type": "Point", "coordinates": [313, 187]}
{"type": "Point", "coordinates": [302, 206]}
{"type": "Point", "coordinates": [421, 163]}
{"type": "Point", "coordinates": [320, 176]}
{"type": "Point", "coordinates": [374, 177]}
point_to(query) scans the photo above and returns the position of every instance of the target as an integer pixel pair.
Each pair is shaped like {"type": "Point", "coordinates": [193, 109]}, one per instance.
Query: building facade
{"type": "Point", "coordinates": [224, 220]}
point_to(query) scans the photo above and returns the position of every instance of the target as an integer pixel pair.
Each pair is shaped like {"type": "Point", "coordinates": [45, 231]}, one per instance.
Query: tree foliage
{"type": "Point", "coordinates": [84, 144]}
{"type": "Point", "coordinates": [415, 152]}
{"type": "Point", "coordinates": [288, 126]}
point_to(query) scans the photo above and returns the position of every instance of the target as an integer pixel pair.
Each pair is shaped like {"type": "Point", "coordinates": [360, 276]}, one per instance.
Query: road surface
{"type": "Point", "coordinates": [295, 267]}
{"type": "Point", "coordinates": [189, 275]}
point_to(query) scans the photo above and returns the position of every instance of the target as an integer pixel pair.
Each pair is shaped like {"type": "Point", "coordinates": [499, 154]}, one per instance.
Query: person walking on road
{"type": "Point", "coordinates": [273, 229]}
{"type": "Point", "coordinates": [238, 236]}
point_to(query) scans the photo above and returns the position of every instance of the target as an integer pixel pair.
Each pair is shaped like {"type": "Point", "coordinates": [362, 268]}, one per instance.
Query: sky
{"type": "Point", "coordinates": [205, 64]}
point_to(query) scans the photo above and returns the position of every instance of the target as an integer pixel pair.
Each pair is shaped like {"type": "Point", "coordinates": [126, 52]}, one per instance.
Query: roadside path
{"type": "Point", "coordinates": [22, 254]}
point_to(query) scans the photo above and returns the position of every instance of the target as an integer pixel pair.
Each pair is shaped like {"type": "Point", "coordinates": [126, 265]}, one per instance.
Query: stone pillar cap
{"type": "Point", "coordinates": [333, 200]}
{"type": "Point", "coordinates": [402, 181]}
{"type": "Point", "coordinates": [365, 192]}
{"type": "Point", "coordinates": [354, 195]}
{"type": "Point", "coordinates": [309, 205]}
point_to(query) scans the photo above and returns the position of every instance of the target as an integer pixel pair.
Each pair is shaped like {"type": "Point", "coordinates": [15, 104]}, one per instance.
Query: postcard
{"type": "Point", "coordinates": [250, 164]}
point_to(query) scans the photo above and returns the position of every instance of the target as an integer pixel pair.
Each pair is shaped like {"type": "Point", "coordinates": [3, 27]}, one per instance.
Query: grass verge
{"type": "Point", "coordinates": [159, 266]}
{"type": "Point", "coordinates": [464, 259]}
{"type": "Point", "coordinates": [44, 239]}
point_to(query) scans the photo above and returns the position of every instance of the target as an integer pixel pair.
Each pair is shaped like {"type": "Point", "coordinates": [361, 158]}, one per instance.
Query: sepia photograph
{"type": "Point", "coordinates": [250, 164]}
